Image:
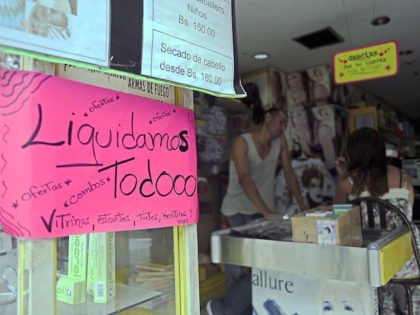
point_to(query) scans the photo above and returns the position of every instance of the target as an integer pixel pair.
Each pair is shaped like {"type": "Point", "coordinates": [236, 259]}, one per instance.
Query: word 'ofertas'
{"type": "Point", "coordinates": [87, 135]}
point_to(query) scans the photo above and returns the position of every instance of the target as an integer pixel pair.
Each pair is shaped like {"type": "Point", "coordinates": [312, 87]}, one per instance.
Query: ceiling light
{"type": "Point", "coordinates": [380, 20]}
{"type": "Point", "coordinates": [260, 56]}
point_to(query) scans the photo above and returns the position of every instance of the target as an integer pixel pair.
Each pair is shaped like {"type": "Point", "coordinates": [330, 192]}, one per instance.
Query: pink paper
{"type": "Point", "coordinates": [76, 159]}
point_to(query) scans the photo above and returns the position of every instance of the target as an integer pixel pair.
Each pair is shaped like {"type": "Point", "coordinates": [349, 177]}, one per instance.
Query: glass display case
{"type": "Point", "coordinates": [154, 274]}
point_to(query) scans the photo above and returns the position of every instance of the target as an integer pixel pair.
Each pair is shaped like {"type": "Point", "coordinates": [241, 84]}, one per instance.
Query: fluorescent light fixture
{"type": "Point", "coordinates": [260, 56]}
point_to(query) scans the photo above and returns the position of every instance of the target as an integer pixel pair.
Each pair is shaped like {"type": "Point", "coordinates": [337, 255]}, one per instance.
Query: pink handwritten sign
{"type": "Point", "coordinates": [76, 159]}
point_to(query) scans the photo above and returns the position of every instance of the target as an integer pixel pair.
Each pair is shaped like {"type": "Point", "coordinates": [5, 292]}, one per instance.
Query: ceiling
{"type": "Point", "coordinates": [270, 26]}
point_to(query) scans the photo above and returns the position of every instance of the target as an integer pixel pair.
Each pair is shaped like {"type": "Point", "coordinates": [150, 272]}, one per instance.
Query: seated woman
{"type": "Point", "coordinates": [368, 174]}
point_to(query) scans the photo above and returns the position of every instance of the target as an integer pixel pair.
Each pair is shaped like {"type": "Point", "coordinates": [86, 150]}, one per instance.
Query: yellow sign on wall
{"type": "Point", "coordinates": [366, 63]}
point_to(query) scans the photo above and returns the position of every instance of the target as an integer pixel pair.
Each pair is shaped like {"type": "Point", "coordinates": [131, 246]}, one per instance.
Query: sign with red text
{"type": "Point", "coordinates": [366, 63]}
{"type": "Point", "coordinates": [78, 159]}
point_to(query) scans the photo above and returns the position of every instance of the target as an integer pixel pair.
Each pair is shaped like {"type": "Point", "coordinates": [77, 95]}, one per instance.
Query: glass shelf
{"type": "Point", "coordinates": [9, 308]}
{"type": "Point", "coordinates": [126, 297]}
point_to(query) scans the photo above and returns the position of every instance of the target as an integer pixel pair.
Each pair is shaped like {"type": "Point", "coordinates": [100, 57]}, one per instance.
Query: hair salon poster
{"type": "Point", "coordinates": [316, 185]}
{"type": "Point", "coordinates": [77, 159]}
{"type": "Point", "coordinates": [183, 41]}
{"type": "Point", "coordinates": [281, 293]}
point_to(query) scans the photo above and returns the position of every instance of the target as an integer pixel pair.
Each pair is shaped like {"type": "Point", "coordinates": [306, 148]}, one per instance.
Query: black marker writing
{"type": "Point", "coordinates": [113, 218]}
{"type": "Point", "coordinates": [35, 191]}
{"type": "Point", "coordinates": [162, 184]}
{"type": "Point", "coordinates": [36, 132]}
{"type": "Point", "coordinates": [90, 187]}
{"type": "Point", "coordinates": [86, 135]}
{"type": "Point", "coordinates": [63, 221]}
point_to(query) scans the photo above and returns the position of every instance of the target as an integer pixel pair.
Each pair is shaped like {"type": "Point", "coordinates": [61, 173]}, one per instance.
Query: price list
{"type": "Point", "coordinates": [190, 42]}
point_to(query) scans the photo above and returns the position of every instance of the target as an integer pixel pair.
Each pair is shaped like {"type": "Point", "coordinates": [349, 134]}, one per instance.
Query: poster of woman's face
{"type": "Point", "coordinates": [342, 299]}
{"type": "Point", "coordinates": [301, 124]}
{"type": "Point", "coordinates": [10, 61]}
{"type": "Point", "coordinates": [12, 13]}
{"type": "Point", "coordinates": [312, 179]}
{"type": "Point", "coordinates": [313, 128]}
{"type": "Point", "coordinates": [299, 117]}
{"type": "Point", "coordinates": [50, 18]}
{"type": "Point", "coordinates": [319, 83]}
{"type": "Point", "coordinates": [325, 115]}
{"type": "Point", "coordinates": [46, 18]}
{"type": "Point", "coordinates": [296, 89]}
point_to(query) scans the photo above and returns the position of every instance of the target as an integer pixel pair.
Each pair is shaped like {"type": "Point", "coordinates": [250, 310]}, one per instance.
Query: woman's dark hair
{"type": "Point", "coordinates": [253, 101]}
{"type": "Point", "coordinates": [367, 162]}
{"type": "Point", "coordinates": [310, 173]}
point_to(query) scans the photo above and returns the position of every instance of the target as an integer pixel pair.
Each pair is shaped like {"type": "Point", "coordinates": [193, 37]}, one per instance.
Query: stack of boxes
{"type": "Point", "coordinates": [325, 225]}
{"type": "Point", "coordinates": [71, 288]}
{"type": "Point", "coordinates": [92, 273]}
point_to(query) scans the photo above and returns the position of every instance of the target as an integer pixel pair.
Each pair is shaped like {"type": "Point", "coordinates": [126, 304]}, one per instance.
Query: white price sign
{"type": "Point", "coordinates": [190, 42]}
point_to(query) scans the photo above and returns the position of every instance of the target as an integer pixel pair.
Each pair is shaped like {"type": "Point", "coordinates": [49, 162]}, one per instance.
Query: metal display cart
{"type": "Point", "coordinates": [312, 266]}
